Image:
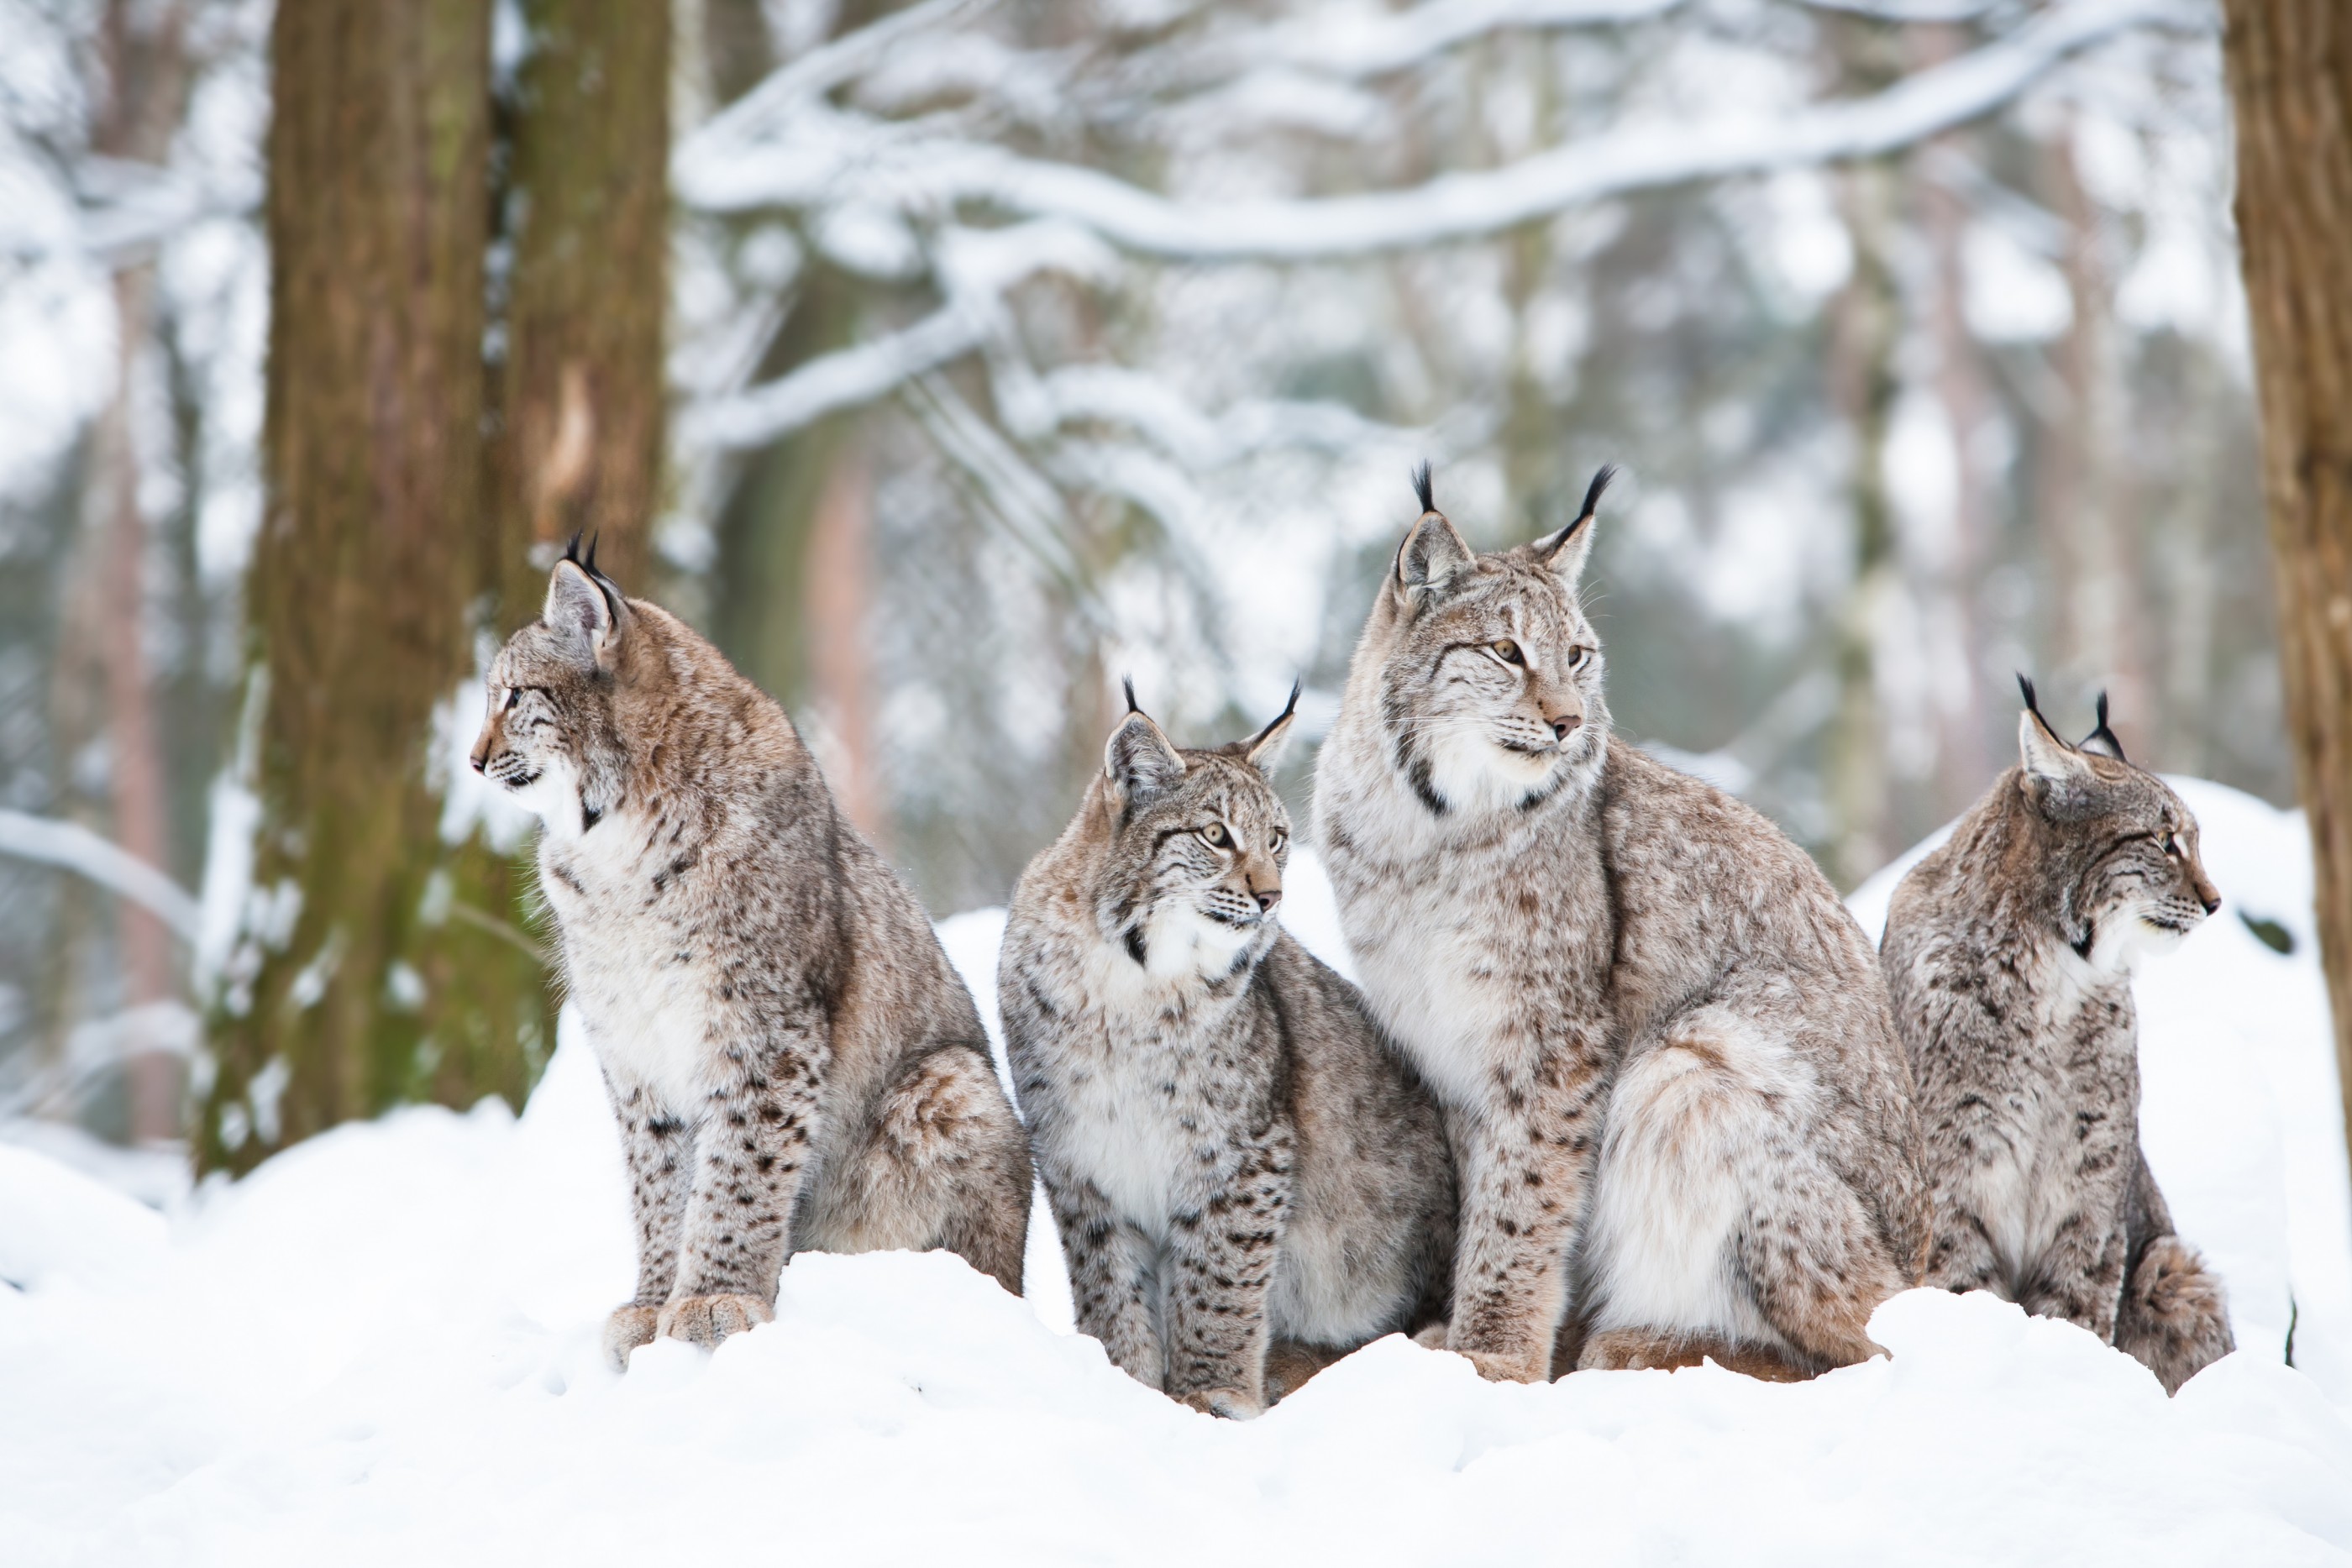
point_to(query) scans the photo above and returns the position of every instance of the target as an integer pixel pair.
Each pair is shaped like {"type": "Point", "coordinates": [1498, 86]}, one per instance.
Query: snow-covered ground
{"type": "Point", "coordinates": [381, 1347]}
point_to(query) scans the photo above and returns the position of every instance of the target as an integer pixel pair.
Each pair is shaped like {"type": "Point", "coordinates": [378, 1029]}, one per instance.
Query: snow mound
{"type": "Point", "coordinates": [381, 1347]}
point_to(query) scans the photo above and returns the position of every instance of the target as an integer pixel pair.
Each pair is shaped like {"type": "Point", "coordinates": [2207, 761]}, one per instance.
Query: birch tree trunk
{"type": "Point", "coordinates": [371, 969]}
{"type": "Point", "coordinates": [2290, 71]}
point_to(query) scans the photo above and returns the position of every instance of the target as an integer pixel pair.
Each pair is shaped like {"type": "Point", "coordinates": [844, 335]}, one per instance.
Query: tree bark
{"type": "Point", "coordinates": [2290, 73]}
{"type": "Point", "coordinates": [582, 393]}
{"type": "Point", "coordinates": [351, 988]}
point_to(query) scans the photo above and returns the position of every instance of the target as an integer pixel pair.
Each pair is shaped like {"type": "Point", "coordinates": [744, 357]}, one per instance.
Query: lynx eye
{"type": "Point", "coordinates": [1508, 652]}
{"type": "Point", "coordinates": [1216, 835]}
{"type": "Point", "coordinates": [1577, 655]}
{"type": "Point", "coordinates": [514, 695]}
{"type": "Point", "coordinates": [1278, 840]}
{"type": "Point", "coordinates": [2168, 844]}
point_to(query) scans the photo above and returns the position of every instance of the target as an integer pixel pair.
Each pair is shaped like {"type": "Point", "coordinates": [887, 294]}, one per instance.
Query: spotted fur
{"type": "Point", "coordinates": [1248, 1182]}
{"type": "Point", "coordinates": [2008, 953]}
{"type": "Point", "coordinates": [793, 1062]}
{"type": "Point", "coordinates": [1683, 1121]}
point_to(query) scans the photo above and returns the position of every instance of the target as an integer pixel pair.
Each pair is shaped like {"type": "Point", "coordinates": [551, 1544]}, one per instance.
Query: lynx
{"type": "Point", "coordinates": [1683, 1121]}
{"type": "Point", "coordinates": [793, 1062]}
{"type": "Point", "coordinates": [1239, 1165]}
{"type": "Point", "coordinates": [2009, 952]}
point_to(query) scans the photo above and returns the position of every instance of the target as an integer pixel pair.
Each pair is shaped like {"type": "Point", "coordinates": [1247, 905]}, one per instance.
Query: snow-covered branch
{"type": "Point", "coordinates": [72, 847]}
{"type": "Point", "coordinates": [919, 173]}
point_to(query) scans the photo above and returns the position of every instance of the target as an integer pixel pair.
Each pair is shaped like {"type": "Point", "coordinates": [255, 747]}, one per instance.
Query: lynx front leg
{"type": "Point", "coordinates": [2080, 1274]}
{"type": "Point", "coordinates": [1110, 1276]}
{"type": "Point", "coordinates": [657, 1149]}
{"type": "Point", "coordinates": [1527, 1162]}
{"type": "Point", "coordinates": [750, 1149]}
{"type": "Point", "coordinates": [1220, 1262]}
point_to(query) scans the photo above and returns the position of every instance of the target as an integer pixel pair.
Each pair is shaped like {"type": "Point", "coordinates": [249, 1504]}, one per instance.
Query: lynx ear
{"type": "Point", "coordinates": [1138, 762]}
{"type": "Point", "coordinates": [2103, 740]}
{"type": "Point", "coordinates": [577, 607]}
{"type": "Point", "coordinates": [1566, 551]}
{"type": "Point", "coordinates": [2054, 771]}
{"type": "Point", "coordinates": [583, 604]}
{"type": "Point", "coordinates": [1265, 748]}
{"type": "Point", "coordinates": [1432, 551]}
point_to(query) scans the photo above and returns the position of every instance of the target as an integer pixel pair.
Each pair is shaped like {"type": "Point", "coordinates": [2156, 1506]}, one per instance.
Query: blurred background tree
{"type": "Point", "coordinates": [2290, 77]}
{"type": "Point", "coordinates": [1012, 346]}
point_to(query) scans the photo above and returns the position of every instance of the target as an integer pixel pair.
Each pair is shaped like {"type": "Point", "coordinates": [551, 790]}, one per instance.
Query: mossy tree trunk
{"type": "Point", "coordinates": [579, 394]}
{"type": "Point", "coordinates": [2290, 71]}
{"type": "Point", "coordinates": [379, 963]}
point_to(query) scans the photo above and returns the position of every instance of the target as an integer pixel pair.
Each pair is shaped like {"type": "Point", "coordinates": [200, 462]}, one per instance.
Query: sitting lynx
{"type": "Point", "coordinates": [2008, 952]}
{"type": "Point", "coordinates": [1683, 1119]}
{"type": "Point", "coordinates": [793, 1062]}
{"type": "Point", "coordinates": [1234, 1156]}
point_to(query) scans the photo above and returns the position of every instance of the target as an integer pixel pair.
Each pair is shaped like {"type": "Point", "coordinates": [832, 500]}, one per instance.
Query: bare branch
{"type": "Point", "coordinates": [72, 847]}
{"type": "Point", "coordinates": [928, 173]}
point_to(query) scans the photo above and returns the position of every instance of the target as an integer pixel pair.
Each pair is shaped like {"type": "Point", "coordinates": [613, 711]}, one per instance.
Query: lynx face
{"type": "Point", "coordinates": [1199, 841]}
{"type": "Point", "coordinates": [548, 736]}
{"type": "Point", "coordinates": [2124, 848]}
{"type": "Point", "coordinates": [1491, 687]}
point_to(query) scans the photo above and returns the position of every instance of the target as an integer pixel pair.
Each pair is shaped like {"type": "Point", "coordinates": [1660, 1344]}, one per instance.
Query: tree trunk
{"type": "Point", "coordinates": [1869, 319]}
{"type": "Point", "coordinates": [351, 988]}
{"type": "Point", "coordinates": [2290, 70]}
{"type": "Point", "coordinates": [582, 395]}
{"type": "Point", "coordinates": [146, 70]}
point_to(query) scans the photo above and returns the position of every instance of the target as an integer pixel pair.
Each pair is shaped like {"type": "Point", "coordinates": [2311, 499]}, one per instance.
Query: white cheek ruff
{"type": "Point", "coordinates": [1182, 944]}
{"type": "Point", "coordinates": [553, 798]}
{"type": "Point", "coordinates": [2127, 937]}
{"type": "Point", "coordinates": [1472, 773]}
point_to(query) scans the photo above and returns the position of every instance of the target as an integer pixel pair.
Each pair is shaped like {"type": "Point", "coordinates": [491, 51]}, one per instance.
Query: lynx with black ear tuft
{"type": "Point", "coordinates": [712, 904]}
{"type": "Point", "coordinates": [1248, 1182]}
{"type": "Point", "coordinates": [1681, 1135]}
{"type": "Point", "coordinates": [2008, 956]}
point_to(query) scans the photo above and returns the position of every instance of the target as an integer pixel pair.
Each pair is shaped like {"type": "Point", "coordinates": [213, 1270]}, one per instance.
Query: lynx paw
{"type": "Point", "coordinates": [1433, 1337]}
{"type": "Point", "coordinates": [706, 1320]}
{"type": "Point", "coordinates": [1495, 1367]}
{"type": "Point", "coordinates": [1230, 1404]}
{"type": "Point", "coordinates": [626, 1329]}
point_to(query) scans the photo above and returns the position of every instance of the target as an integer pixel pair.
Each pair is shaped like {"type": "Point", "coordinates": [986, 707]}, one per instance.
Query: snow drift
{"type": "Point", "coordinates": [381, 1347]}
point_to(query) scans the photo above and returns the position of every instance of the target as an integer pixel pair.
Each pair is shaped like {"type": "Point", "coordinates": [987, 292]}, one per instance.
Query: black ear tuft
{"type": "Point", "coordinates": [572, 552]}
{"type": "Point", "coordinates": [1422, 488]}
{"type": "Point", "coordinates": [1592, 491]}
{"type": "Point", "coordinates": [1126, 684]}
{"type": "Point", "coordinates": [2103, 739]}
{"type": "Point", "coordinates": [2025, 684]}
{"type": "Point", "coordinates": [591, 562]}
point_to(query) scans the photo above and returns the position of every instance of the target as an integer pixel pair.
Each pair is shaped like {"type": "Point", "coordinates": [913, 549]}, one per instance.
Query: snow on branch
{"type": "Point", "coordinates": [976, 265]}
{"type": "Point", "coordinates": [72, 847]}
{"type": "Point", "coordinates": [1350, 44]}
{"type": "Point", "coordinates": [919, 173]}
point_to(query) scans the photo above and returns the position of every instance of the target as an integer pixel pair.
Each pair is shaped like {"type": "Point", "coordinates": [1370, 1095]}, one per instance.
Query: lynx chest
{"type": "Point", "coordinates": [1147, 1106]}
{"type": "Point", "coordinates": [1470, 968]}
{"type": "Point", "coordinates": [644, 985]}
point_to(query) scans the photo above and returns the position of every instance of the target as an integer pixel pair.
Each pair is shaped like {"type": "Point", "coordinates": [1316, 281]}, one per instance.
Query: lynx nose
{"type": "Point", "coordinates": [1565, 725]}
{"type": "Point", "coordinates": [2211, 901]}
{"type": "Point", "coordinates": [1268, 899]}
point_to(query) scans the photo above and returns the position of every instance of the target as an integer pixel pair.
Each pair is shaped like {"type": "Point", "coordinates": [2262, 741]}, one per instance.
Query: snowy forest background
{"type": "Point", "coordinates": [979, 354]}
